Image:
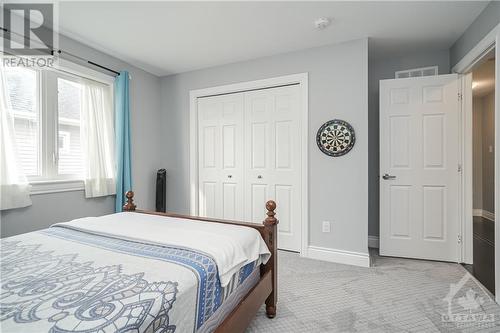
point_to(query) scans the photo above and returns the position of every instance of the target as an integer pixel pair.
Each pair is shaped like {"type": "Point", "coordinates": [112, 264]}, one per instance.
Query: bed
{"type": "Point", "coordinates": [139, 271]}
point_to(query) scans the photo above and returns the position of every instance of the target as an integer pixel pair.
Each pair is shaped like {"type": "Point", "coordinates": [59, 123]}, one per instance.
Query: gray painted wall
{"type": "Point", "coordinates": [483, 137]}
{"type": "Point", "coordinates": [52, 208]}
{"type": "Point", "coordinates": [477, 153]}
{"type": "Point", "coordinates": [487, 20]}
{"type": "Point", "coordinates": [380, 69]}
{"type": "Point", "coordinates": [146, 147]}
{"type": "Point", "coordinates": [338, 187]}
{"type": "Point", "coordinates": [488, 130]}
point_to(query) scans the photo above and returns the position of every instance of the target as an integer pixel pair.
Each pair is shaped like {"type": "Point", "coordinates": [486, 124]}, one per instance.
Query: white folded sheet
{"type": "Point", "coordinates": [231, 246]}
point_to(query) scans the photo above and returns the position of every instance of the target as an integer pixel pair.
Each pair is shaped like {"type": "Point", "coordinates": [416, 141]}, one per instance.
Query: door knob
{"type": "Point", "coordinates": [259, 176]}
{"type": "Point", "coordinates": [387, 176]}
{"type": "Point", "coordinates": [229, 176]}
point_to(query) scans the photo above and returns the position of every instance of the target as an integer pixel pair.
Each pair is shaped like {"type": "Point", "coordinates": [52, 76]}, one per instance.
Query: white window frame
{"type": "Point", "coordinates": [48, 131]}
{"type": "Point", "coordinates": [48, 180]}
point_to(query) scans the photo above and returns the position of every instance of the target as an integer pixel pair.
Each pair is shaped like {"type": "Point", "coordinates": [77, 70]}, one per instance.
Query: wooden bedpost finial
{"type": "Point", "coordinates": [129, 205]}
{"type": "Point", "coordinates": [271, 237]}
{"type": "Point", "coordinates": [270, 220]}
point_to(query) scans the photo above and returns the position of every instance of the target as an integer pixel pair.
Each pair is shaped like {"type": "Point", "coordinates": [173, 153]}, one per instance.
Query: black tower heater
{"type": "Point", "coordinates": [161, 190]}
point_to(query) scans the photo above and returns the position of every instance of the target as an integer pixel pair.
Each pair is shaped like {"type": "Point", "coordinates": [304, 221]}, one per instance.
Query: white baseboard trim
{"type": "Point", "coordinates": [339, 256]}
{"type": "Point", "coordinates": [373, 241]}
{"type": "Point", "coordinates": [484, 213]}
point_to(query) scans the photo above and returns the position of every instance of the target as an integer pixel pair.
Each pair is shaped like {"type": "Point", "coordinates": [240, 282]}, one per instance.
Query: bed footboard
{"type": "Point", "coordinates": [266, 290]}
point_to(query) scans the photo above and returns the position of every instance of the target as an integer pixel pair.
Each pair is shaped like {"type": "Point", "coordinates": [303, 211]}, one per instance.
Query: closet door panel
{"type": "Point", "coordinates": [220, 145]}
{"type": "Point", "coordinates": [283, 144]}
{"type": "Point", "coordinates": [208, 199]}
{"type": "Point", "coordinates": [286, 165]}
{"type": "Point", "coordinates": [273, 159]}
{"type": "Point", "coordinates": [232, 172]}
{"type": "Point", "coordinates": [258, 108]}
{"type": "Point", "coordinates": [209, 157]}
{"type": "Point", "coordinates": [284, 195]}
{"type": "Point", "coordinates": [259, 193]}
{"type": "Point", "coordinates": [229, 202]}
{"type": "Point", "coordinates": [259, 137]}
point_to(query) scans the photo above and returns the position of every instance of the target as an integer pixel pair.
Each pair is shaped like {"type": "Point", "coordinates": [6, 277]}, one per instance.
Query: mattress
{"type": "Point", "coordinates": [80, 279]}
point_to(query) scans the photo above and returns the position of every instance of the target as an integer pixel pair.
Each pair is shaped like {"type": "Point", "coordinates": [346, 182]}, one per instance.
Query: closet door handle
{"type": "Point", "coordinates": [259, 176]}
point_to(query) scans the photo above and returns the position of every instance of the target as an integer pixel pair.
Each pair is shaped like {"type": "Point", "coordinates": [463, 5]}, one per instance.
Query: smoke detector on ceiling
{"type": "Point", "coordinates": [322, 22]}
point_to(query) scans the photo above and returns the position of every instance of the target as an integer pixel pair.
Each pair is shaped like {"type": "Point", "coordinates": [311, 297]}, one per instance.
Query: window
{"type": "Point", "coordinates": [64, 142]}
{"type": "Point", "coordinates": [69, 104]}
{"type": "Point", "coordinates": [22, 85]}
{"type": "Point", "coordinates": [47, 107]}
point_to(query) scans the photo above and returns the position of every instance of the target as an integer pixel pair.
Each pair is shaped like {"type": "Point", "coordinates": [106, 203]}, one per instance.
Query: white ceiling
{"type": "Point", "coordinates": [172, 37]}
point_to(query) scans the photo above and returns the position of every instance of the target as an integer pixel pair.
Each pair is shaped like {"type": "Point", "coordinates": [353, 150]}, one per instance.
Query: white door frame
{"type": "Point", "coordinates": [491, 40]}
{"type": "Point", "coordinates": [302, 80]}
{"type": "Point", "coordinates": [465, 137]}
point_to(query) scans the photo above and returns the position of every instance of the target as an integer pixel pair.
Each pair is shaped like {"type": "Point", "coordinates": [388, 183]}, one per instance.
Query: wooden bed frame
{"type": "Point", "coordinates": [265, 291]}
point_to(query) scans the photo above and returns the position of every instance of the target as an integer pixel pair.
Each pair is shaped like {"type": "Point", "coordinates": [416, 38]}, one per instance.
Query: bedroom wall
{"type": "Point", "coordinates": [483, 132]}
{"type": "Point", "coordinates": [380, 69]}
{"type": "Point", "coordinates": [477, 152]}
{"type": "Point", "coordinates": [482, 25]}
{"type": "Point", "coordinates": [338, 82]}
{"type": "Point", "coordinates": [145, 112]}
{"type": "Point", "coordinates": [488, 165]}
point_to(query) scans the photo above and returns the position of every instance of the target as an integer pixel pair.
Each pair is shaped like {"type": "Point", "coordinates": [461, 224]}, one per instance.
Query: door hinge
{"type": "Point", "coordinates": [460, 96]}
{"type": "Point", "coordinates": [459, 239]}
{"type": "Point", "coordinates": [459, 169]}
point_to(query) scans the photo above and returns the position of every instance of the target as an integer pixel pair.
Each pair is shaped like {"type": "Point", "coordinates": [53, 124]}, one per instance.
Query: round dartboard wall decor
{"type": "Point", "coordinates": [335, 137]}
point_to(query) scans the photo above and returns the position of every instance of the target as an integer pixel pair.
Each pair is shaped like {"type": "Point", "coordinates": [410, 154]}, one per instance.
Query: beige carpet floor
{"type": "Point", "coordinates": [395, 295]}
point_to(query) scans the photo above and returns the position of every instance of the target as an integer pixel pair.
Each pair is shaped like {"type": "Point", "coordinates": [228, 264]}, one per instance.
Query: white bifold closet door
{"type": "Point", "coordinates": [220, 160]}
{"type": "Point", "coordinates": [273, 160]}
{"type": "Point", "coordinates": [249, 152]}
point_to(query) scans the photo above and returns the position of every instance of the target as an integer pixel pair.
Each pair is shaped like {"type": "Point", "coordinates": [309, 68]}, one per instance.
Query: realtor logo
{"type": "Point", "coordinates": [466, 305]}
{"type": "Point", "coordinates": [28, 29]}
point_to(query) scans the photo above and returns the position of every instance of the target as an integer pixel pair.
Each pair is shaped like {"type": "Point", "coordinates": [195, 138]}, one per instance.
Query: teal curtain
{"type": "Point", "coordinates": [122, 135]}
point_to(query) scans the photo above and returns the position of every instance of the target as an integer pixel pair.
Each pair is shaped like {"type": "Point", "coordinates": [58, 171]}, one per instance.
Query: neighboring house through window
{"type": "Point", "coordinates": [47, 107]}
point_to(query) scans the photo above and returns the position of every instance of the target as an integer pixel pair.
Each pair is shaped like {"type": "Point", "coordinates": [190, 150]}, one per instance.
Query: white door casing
{"type": "Point", "coordinates": [273, 159]}
{"type": "Point", "coordinates": [420, 154]}
{"type": "Point", "coordinates": [248, 154]}
{"type": "Point", "coordinates": [489, 42]}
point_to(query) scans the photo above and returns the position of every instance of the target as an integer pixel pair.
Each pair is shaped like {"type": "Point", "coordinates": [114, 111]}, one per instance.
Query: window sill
{"type": "Point", "coordinates": [55, 186]}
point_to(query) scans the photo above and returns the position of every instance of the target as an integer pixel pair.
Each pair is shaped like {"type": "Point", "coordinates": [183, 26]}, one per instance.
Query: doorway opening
{"type": "Point", "coordinates": [483, 169]}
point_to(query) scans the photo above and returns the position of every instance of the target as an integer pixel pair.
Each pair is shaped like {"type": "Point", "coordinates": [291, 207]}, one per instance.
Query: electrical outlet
{"type": "Point", "coordinates": [490, 148]}
{"type": "Point", "coordinates": [326, 226]}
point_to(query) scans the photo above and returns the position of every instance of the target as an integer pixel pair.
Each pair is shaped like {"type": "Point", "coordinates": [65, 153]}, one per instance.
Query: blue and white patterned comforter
{"type": "Point", "coordinates": [65, 279]}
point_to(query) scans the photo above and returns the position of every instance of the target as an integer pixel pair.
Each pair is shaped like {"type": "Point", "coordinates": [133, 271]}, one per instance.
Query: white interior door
{"type": "Point", "coordinates": [420, 167]}
{"type": "Point", "coordinates": [220, 159]}
{"type": "Point", "coordinates": [273, 160]}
